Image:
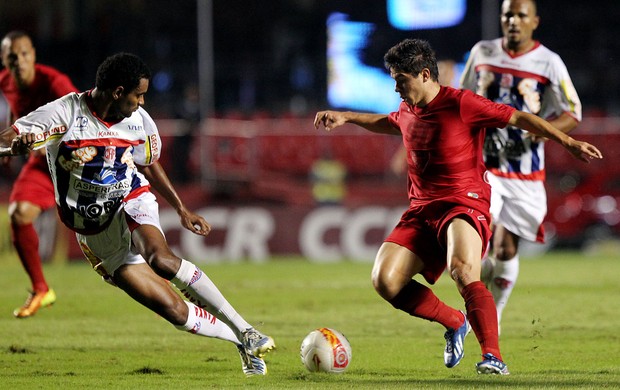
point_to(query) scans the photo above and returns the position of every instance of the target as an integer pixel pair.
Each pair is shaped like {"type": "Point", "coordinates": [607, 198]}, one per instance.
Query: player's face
{"type": "Point", "coordinates": [519, 20]}
{"type": "Point", "coordinates": [19, 56]}
{"type": "Point", "coordinates": [409, 87]}
{"type": "Point", "coordinates": [129, 102]}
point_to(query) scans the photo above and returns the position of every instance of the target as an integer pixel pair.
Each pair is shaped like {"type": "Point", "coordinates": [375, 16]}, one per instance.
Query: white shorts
{"type": "Point", "coordinates": [111, 248]}
{"type": "Point", "coordinates": [519, 205]}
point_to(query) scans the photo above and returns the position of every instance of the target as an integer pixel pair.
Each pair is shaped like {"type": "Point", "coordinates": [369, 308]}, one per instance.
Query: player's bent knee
{"type": "Point", "coordinates": [165, 265]}
{"type": "Point", "coordinates": [384, 286]}
{"type": "Point", "coordinates": [464, 274]}
{"type": "Point", "coordinates": [23, 213]}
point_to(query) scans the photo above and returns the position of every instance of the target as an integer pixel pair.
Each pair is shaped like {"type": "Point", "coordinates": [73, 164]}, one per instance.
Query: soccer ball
{"type": "Point", "coordinates": [326, 350]}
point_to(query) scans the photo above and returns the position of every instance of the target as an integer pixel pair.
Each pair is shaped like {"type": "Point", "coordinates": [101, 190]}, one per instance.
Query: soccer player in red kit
{"type": "Point", "coordinates": [27, 86]}
{"type": "Point", "coordinates": [447, 223]}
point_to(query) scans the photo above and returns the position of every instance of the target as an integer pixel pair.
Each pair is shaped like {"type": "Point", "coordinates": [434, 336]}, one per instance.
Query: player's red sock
{"type": "Point", "coordinates": [420, 301]}
{"type": "Point", "coordinates": [26, 243]}
{"type": "Point", "coordinates": [482, 317]}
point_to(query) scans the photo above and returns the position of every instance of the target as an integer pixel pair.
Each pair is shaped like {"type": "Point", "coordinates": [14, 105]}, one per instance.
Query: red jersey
{"type": "Point", "coordinates": [48, 84]}
{"type": "Point", "coordinates": [444, 141]}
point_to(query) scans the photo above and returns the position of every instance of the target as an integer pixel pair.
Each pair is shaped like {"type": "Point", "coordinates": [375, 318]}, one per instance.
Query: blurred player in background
{"type": "Point", "coordinates": [519, 71]}
{"type": "Point", "coordinates": [447, 223]}
{"type": "Point", "coordinates": [102, 148]}
{"type": "Point", "coordinates": [27, 85]}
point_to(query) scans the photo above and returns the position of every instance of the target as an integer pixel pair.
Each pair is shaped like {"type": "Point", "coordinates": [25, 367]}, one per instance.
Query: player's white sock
{"type": "Point", "coordinates": [505, 274]}
{"type": "Point", "coordinates": [201, 322]}
{"type": "Point", "coordinates": [200, 290]}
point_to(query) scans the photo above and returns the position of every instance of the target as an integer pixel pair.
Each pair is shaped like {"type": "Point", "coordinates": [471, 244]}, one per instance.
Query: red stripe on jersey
{"type": "Point", "coordinates": [536, 176]}
{"type": "Point", "coordinates": [518, 73]}
{"type": "Point", "coordinates": [80, 143]}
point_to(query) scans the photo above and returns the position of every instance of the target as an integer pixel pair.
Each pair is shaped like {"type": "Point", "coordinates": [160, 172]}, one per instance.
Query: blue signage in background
{"type": "Point", "coordinates": [354, 84]}
{"type": "Point", "coordinates": [425, 14]}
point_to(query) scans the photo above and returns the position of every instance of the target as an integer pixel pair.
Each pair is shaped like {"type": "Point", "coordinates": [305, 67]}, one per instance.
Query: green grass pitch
{"type": "Point", "coordinates": [560, 331]}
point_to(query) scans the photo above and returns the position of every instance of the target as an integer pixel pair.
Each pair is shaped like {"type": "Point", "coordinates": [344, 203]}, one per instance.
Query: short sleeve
{"type": "Point", "coordinates": [48, 122]}
{"type": "Point", "coordinates": [148, 152]}
{"type": "Point", "coordinates": [393, 119]}
{"type": "Point", "coordinates": [564, 93]}
{"type": "Point", "coordinates": [469, 77]}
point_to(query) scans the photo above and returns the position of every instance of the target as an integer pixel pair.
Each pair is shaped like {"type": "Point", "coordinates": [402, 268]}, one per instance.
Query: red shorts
{"type": "Point", "coordinates": [34, 184]}
{"type": "Point", "coordinates": [422, 230]}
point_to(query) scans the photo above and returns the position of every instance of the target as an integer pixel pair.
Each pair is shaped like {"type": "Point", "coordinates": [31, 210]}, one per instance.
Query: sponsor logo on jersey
{"type": "Point", "coordinates": [60, 129]}
{"type": "Point", "coordinates": [107, 133]}
{"type": "Point", "coordinates": [154, 144]}
{"type": "Point", "coordinates": [81, 122]}
{"type": "Point", "coordinates": [95, 188]}
{"type": "Point", "coordinates": [106, 176]}
{"type": "Point", "coordinates": [95, 210]}
{"type": "Point", "coordinates": [135, 127]}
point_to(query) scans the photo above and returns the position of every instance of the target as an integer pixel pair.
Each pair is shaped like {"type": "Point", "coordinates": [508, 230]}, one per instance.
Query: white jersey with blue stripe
{"type": "Point", "coordinates": [92, 162]}
{"type": "Point", "coordinates": [536, 82]}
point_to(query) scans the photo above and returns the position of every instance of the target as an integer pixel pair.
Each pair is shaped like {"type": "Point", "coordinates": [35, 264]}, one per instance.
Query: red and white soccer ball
{"type": "Point", "coordinates": [326, 350]}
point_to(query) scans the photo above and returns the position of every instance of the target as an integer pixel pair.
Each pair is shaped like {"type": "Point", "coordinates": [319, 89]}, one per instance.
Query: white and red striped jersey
{"type": "Point", "coordinates": [92, 162]}
{"type": "Point", "coordinates": [536, 82]}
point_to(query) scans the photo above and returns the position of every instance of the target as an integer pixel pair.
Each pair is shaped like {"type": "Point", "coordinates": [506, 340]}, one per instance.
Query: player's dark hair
{"type": "Point", "coordinates": [121, 69]}
{"type": "Point", "coordinates": [411, 56]}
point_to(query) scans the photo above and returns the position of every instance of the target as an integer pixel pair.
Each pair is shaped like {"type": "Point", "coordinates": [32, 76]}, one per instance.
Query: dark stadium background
{"type": "Point", "coordinates": [256, 43]}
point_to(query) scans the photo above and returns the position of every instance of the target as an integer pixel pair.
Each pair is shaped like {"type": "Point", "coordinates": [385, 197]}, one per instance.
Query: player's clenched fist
{"type": "Point", "coordinates": [22, 144]}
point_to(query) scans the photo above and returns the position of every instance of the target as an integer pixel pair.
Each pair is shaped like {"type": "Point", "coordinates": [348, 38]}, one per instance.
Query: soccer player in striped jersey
{"type": "Point", "coordinates": [102, 150]}
{"type": "Point", "coordinates": [519, 71]}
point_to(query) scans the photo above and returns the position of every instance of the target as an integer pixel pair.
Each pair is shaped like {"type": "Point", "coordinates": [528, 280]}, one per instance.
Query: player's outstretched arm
{"type": "Point", "coordinates": [377, 123]}
{"type": "Point", "coordinates": [191, 221]}
{"type": "Point", "coordinates": [581, 150]}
